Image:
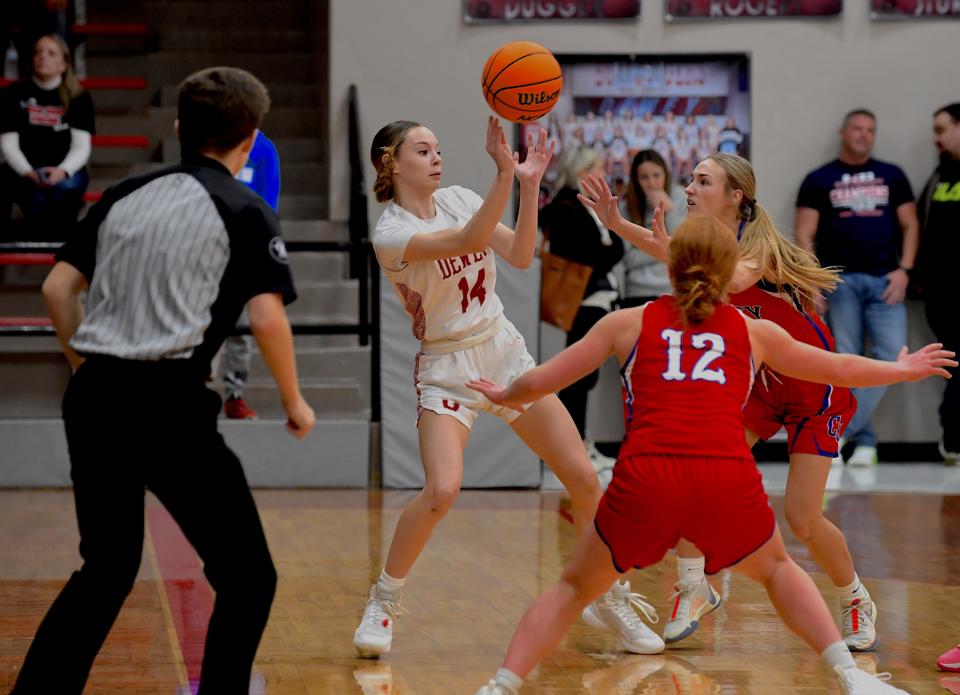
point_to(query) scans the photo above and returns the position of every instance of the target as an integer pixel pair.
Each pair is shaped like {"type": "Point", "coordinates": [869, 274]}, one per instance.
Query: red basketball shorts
{"type": "Point", "coordinates": [794, 405]}
{"type": "Point", "coordinates": [653, 501]}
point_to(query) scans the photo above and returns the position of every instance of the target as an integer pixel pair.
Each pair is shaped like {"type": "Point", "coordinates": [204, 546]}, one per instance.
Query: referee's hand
{"type": "Point", "coordinates": [300, 418]}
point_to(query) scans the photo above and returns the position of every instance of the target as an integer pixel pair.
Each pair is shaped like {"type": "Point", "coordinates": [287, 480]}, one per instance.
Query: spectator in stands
{"type": "Point", "coordinates": [939, 250]}
{"type": "Point", "coordinates": [575, 233]}
{"type": "Point", "coordinates": [730, 139]}
{"type": "Point", "coordinates": [650, 185]}
{"type": "Point", "coordinates": [262, 175]}
{"type": "Point", "coordinates": [859, 214]}
{"type": "Point", "coordinates": [46, 125]}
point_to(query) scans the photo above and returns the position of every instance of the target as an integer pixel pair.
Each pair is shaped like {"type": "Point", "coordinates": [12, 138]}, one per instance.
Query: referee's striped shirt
{"type": "Point", "coordinates": [172, 258]}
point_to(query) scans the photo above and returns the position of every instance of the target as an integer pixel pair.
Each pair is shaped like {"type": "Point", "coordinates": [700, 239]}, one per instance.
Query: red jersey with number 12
{"type": "Point", "coordinates": [684, 387]}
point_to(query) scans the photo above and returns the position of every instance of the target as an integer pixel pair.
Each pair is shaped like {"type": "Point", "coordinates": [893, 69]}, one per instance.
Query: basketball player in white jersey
{"type": "Point", "coordinates": [437, 246]}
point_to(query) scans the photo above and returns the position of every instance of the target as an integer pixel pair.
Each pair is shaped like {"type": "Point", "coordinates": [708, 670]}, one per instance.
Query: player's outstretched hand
{"type": "Point", "coordinates": [598, 197]}
{"type": "Point", "coordinates": [494, 393]}
{"type": "Point", "coordinates": [658, 245]}
{"type": "Point", "coordinates": [497, 146]}
{"type": "Point", "coordinates": [539, 152]}
{"type": "Point", "coordinates": [300, 418]}
{"type": "Point", "coordinates": [927, 361]}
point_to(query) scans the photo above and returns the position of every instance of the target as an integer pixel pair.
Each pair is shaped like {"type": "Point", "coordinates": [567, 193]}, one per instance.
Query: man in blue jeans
{"type": "Point", "coordinates": [862, 215]}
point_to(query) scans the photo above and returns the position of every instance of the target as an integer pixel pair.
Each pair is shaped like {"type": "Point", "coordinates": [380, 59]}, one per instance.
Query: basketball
{"type": "Point", "coordinates": [522, 81]}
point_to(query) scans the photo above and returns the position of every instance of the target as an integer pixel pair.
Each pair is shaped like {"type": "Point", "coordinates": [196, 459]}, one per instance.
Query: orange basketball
{"type": "Point", "coordinates": [522, 81]}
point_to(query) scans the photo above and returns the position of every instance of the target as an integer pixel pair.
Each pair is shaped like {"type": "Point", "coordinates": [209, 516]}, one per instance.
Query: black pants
{"type": "Point", "coordinates": [574, 397]}
{"type": "Point", "coordinates": [122, 444]}
{"type": "Point", "coordinates": [942, 317]}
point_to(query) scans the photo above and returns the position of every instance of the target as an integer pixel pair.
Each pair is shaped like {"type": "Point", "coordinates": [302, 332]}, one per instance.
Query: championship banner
{"type": "Point", "coordinates": [475, 11]}
{"type": "Point", "coordinates": [911, 9]}
{"type": "Point", "coordinates": [680, 10]}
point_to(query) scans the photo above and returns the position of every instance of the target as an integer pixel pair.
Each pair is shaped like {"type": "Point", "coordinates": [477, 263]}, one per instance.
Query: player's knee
{"type": "Point", "coordinates": [441, 496]}
{"type": "Point", "coordinates": [583, 486]}
{"type": "Point", "coordinates": [802, 522]}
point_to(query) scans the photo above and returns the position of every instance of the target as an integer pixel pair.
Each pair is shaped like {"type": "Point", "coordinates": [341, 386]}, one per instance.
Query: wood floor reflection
{"type": "Point", "coordinates": [488, 559]}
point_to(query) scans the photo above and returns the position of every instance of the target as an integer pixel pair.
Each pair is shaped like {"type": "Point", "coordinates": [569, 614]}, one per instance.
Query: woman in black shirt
{"type": "Point", "coordinates": [575, 233]}
{"type": "Point", "coordinates": [46, 125]}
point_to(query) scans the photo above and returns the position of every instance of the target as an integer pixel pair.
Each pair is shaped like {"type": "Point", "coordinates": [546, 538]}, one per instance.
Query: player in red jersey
{"type": "Point", "coordinates": [781, 282]}
{"type": "Point", "coordinates": [681, 354]}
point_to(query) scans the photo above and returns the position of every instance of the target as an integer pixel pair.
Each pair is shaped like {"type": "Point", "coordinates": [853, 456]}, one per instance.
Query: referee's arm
{"type": "Point", "coordinates": [61, 292]}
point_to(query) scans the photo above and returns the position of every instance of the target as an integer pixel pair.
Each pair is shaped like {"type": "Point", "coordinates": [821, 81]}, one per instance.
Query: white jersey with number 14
{"type": "Point", "coordinates": [449, 299]}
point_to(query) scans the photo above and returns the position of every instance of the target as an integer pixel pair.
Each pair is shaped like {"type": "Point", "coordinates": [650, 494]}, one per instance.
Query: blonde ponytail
{"type": "Point", "coordinates": [794, 270]}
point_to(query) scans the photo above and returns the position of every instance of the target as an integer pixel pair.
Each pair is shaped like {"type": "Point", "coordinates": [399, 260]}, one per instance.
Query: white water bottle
{"type": "Point", "coordinates": [10, 63]}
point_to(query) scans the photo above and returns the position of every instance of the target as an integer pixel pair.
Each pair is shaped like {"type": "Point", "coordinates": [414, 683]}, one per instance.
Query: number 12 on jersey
{"type": "Point", "coordinates": [476, 292]}
{"type": "Point", "coordinates": [701, 370]}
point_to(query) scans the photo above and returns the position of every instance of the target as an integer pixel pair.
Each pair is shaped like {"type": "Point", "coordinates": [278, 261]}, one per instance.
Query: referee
{"type": "Point", "coordinates": [168, 261]}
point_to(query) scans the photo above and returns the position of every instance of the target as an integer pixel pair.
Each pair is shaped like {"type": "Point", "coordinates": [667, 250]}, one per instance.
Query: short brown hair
{"type": "Point", "coordinates": [859, 112]}
{"type": "Point", "coordinates": [218, 108]}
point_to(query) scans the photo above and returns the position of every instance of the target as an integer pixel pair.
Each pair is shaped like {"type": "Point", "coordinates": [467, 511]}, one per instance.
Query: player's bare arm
{"type": "Point", "coordinates": [613, 334]}
{"type": "Point", "coordinates": [475, 235]}
{"type": "Point", "coordinates": [775, 347]}
{"type": "Point", "coordinates": [517, 247]}
{"type": "Point", "coordinates": [598, 197]}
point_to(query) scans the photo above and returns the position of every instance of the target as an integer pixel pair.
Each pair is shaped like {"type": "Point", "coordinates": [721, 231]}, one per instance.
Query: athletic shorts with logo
{"type": "Point", "coordinates": [653, 501]}
{"type": "Point", "coordinates": [441, 378]}
{"type": "Point", "coordinates": [814, 415]}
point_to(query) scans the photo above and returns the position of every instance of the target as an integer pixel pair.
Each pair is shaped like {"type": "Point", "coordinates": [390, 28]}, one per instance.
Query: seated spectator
{"type": "Point", "coordinates": [576, 233]}
{"type": "Point", "coordinates": [650, 185]}
{"type": "Point", "coordinates": [46, 124]}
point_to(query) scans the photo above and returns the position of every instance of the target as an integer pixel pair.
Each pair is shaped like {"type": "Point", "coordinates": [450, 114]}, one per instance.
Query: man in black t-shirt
{"type": "Point", "coordinates": [858, 213]}
{"type": "Point", "coordinates": [940, 248]}
{"type": "Point", "coordinates": [168, 260]}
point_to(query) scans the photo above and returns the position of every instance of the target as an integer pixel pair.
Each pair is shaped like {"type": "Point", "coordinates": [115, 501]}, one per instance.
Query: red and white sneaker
{"type": "Point", "coordinates": [693, 601]}
{"type": "Point", "coordinates": [853, 681]}
{"type": "Point", "coordinates": [237, 409]}
{"type": "Point", "coordinates": [374, 635]}
{"type": "Point", "coordinates": [858, 620]}
{"type": "Point", "coordinates": [950, 660]}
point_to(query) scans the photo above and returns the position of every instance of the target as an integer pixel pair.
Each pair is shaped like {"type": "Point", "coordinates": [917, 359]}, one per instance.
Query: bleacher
{"type": "Point", "coordinates": [137, 52]}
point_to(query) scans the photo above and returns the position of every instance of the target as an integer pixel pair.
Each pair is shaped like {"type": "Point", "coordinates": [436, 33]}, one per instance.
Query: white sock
{"type": "Point", "coordinates": [508, 679]}
{"type": "Point", "coordinates": [389, 584]}
{"type": "Point", "coordinates": [850, 588]}
{"type": "Point", "coordinates": [691, 568]}
{"type": "Point", "coordinates": [838, 655]}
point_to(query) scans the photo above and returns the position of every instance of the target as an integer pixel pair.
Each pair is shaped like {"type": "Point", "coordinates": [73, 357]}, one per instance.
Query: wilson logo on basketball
{"type": "Point", "coordinates": [532, 98]}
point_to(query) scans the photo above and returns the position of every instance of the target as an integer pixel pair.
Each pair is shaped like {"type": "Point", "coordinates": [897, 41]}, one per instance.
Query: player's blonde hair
{"type": "Point", "coordinates": [703, 256]}
{"type": "Point", "coordinates": [383, 151]}
{"type": "Point", "coordinates": [794, 270]}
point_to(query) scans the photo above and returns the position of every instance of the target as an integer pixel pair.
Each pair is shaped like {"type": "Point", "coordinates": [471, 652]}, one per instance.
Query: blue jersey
{"type": "Point", "coordinates": [262, 171]}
